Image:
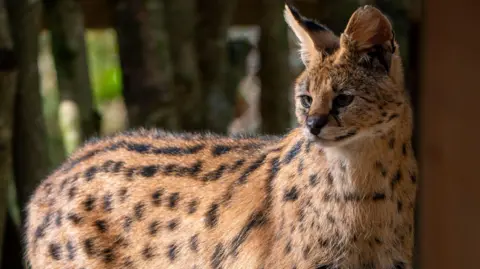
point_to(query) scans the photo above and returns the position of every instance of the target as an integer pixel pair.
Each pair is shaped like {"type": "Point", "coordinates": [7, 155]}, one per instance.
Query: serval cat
{"type": "Point", "coordinates": [337, 192]}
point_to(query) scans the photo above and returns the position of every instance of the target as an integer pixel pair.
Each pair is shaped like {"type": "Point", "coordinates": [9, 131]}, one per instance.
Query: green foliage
{"type": "Point", "coordinates": [108, 85]}
{"type": "Point", "coordinates": [104, 65]}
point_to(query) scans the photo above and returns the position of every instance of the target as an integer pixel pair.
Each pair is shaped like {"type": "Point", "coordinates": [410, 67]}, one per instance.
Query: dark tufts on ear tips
{"type": "Point", "coordinates": [308, 24]}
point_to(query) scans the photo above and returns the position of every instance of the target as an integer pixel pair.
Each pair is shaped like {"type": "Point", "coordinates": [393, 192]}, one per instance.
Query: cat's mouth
{"type": "Point", "coordinates": [331, 138]}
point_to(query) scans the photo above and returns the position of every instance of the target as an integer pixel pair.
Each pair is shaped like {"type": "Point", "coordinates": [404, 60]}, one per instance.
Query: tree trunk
{"type": "Point", "coordinates": [77, 113]}
{"type": "Point", "coordinates": [275, 78]}
{"type": "Point", "coordinates": [146, 71]}
{"type": "Point", "coordinates": [214, 20]}
{"type": "Point", "coordinates": [30, 154]}
{"type": "Point", "coordinates": [181, 21]}
{"type": "Point", "coordinates": [7, 93]}
{"type": "Point", "coordinates": [13, 257]}
{"type": "Point", "coordinates": [237, 52]}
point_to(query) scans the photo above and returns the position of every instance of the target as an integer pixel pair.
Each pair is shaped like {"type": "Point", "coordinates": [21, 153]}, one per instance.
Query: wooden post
{"type": "Point", "coordinates": [449, 136]}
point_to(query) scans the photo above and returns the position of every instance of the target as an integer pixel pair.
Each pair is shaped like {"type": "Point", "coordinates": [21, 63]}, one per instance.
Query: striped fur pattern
{"type": "Point", "coordinates": [339, 196]}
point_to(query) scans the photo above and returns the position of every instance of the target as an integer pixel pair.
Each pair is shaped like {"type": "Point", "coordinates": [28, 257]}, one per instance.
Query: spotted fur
{"type": "Point", "coordinates": [337, 198]}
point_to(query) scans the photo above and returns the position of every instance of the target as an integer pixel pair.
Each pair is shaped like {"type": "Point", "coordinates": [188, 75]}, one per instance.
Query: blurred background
{"type": "Point", "coordinates": [73, 69]}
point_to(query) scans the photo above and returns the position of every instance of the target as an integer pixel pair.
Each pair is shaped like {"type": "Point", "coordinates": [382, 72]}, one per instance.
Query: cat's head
{"type": "Point", "coordinates": [352, 85]}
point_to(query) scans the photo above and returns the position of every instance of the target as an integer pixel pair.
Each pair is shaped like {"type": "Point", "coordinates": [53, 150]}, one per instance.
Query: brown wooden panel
{"type": "Point", "coordinates": [449, 136]}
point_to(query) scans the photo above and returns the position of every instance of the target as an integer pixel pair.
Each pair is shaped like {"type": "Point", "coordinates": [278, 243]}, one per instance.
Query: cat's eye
{"type": "Point", "coordinates": [306, 101]}
{"type": "Point", "coordinates": [342, 100]}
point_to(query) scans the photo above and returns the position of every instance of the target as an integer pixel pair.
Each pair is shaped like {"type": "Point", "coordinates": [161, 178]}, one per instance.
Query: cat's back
{"type": "Point", "coordinates": [144, 198]}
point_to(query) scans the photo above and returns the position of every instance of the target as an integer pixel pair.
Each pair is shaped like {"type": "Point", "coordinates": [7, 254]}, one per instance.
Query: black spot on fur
{"type": "Point", "coordinates": [353, 197]}
{"type": "Point", "coordinates": [139, 210]}
{"type": "Point", "coordinates": [107, 202]}
{"type": "Point", "coordinates": [55, 251]}
{"type": "Point", "coordinates": [216, 174]}
{"type": "Point", "coordinates": [89, 247]}
{"type": "Point", "coordinates": [211, 216]}
{"type": "Point", "coordinates": [237, 164]}
{"type": "Point", "coordinates": [396, 178]}
{"type": "Point", "coordinates": [194, 243]}
{"type": "Point", "coordinates": [181, 171]}
{"type": "Point", "coordinates": [108, 256]}
{"type": "Point", "coordinates": [256, 219]}
{"type": "Point", "coordinates": [217, 256]}
{"type": "Point", "coordinates": [172, 252]}
{"type": "Point", "coordinates": [313, 180]}
{"type": "Point", "coordinates": [323, 266]}
{"type": "Point", "coordinates": [147, 253]}
{"type": "Point", "coordinates": [123, 194]}
{"type": "Point", "coordinates": [149, 171]}
{"type": "Point", "coordinates": [306, 252]}
{"type": "Point", "coordinates": [129, 173]}
{"type": "Point", "coordinates": [106, 166]}
{"type": "Point", "coordinates": [330, 218]}
{"type": "Point", "coordinates": [101, 225]}
{"type": "Point", "coordinates": [288, 247]}
{"type": "Point", "coordinates": [173, 200]}
{"type": "Point", "coordinates": [89, 203]}
{"type": "Point", "coordinates": [293, 152]}
{"type": "Point", "coordinates": [154, 226]}
{"type": "Point", "coordinates": [308, 145]}
{"type": "Point", "coordinates": [274, 169]}
{"type": "Point", "coordinates": [72, 192]}
{"type": "Point", "coordinates": [90, 173]}
{"type": "Point", "coordinates": [76, 219]}
{"type": "Point", "coordinates": [157, 197]}
{"type": "Point", "coordinates": [291, 194]}
{"type": "Point", "coordinates": [179, 151]}
{"type": "Point", "coordinates": [118, 166]}
{"type": "Point", "coordinates": [218, 150]}
{"type": "Point", "coordinates": [378, 196]}
{"type": "Point", "coordinates": [62, 185]}
{"type": "Point", "coordinates": [127, 223]}
{"type": "Point", "coordinates": [172, 224]}
{"type": "Point", "coordinates": [192, 206]}
{"type": "Point", "coordinates": [391, 143]}
{"type": "Point", "coordinates": [399, 206]}
{"type": "Point", "coordinates": [71, 250]}
{"type": "Point", "coordinates": [300, 167]}
{"type": "Point", "coordinates": [413, 178]}
{"type": "Point", "coordinates": [58, 218]}
{"type": "Point", "coordinates": [399, 265]}
{"type": "Point", "coordinates": [127, 262]}
{"type": "Point", "coordinates": [139, 148]}
{"type": "Point", "coordinates": [329, 178]}
{"type": "Point", "coordinates": [252, 167]}
{"type": "Point", "coordinates": [381, 168]}
{"type": "Point", "coordinates": [393, 116]}
{"type": "Point", "coordinates": [404, 149]}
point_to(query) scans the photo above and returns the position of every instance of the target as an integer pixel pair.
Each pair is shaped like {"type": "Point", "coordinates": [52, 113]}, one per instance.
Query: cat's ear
{"type": "Point", "coordinates": [370, 34]}
{"type": "Point", "coordinates": [315, 39]}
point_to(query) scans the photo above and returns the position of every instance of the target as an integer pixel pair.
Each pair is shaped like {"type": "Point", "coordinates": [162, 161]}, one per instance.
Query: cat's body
{"type": "Point", "coordinates": [335, 193]}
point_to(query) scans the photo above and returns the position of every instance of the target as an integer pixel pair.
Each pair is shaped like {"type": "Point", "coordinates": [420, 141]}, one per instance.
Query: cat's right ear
{"type": "Point", "coordinates": [315, 39]}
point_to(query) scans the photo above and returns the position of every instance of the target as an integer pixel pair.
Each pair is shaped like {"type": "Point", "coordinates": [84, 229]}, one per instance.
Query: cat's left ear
{"type": "Point", "coordinates": [370, 35]}
{"type": "Point", "coordinates": [315, 39]}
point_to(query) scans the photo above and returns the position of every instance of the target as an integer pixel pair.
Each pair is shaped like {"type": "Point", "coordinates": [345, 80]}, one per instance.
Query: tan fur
{"type": "Point", "coordinates": [342, 199]}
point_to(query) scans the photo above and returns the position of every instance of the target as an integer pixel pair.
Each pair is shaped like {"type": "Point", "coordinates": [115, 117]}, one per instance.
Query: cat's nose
{"type": "Point", "coordinates": [315, 123]}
